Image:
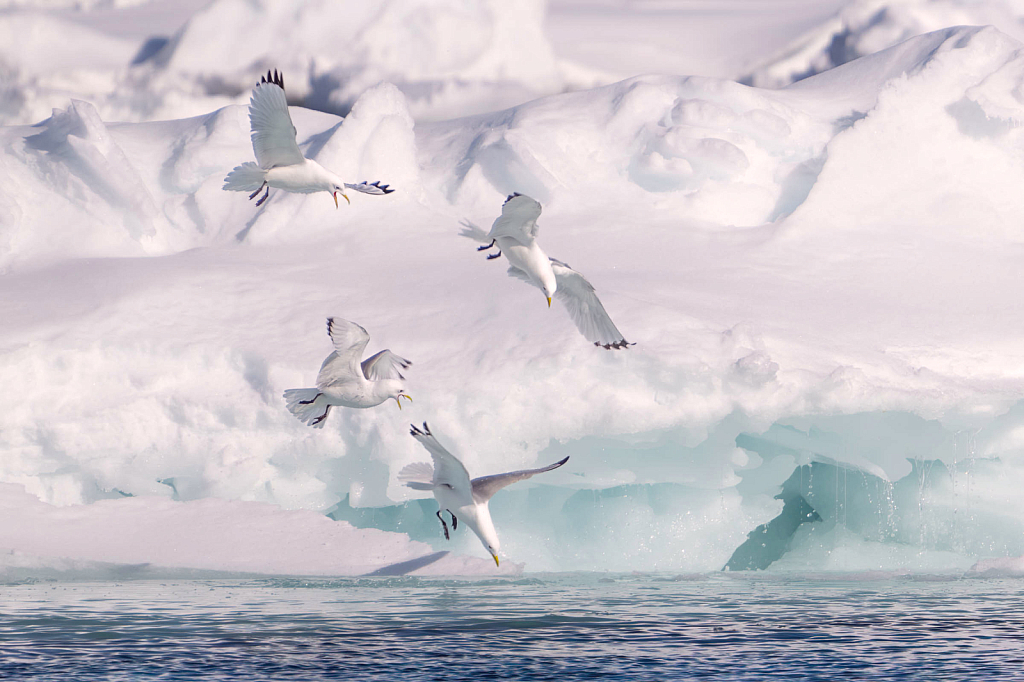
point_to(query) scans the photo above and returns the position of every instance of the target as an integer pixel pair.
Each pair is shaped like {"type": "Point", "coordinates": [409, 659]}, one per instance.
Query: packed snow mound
{"type": "Point", "coordinates": [863, 27]}
{"type": "Point", "coordinates": [137, 536]}
{"type": "Point", "coordinates": [432, 50]}
{"type": "Point", "coordinates": [845, 246]}
{"type": "Point", "coordinates": [450, 58]}
{"type": "Point", "coordinates": [86, 188]}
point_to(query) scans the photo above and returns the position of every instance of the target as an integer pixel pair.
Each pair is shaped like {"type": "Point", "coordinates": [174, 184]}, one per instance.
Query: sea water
{"type": "Point", "coordinates": [539, 627]}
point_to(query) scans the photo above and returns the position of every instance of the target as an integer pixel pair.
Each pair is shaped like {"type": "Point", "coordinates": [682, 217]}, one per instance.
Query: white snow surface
{"type": "Point", "coordinates": [863, 27]}
{"type": "Point", "coordinates": [847, 245]}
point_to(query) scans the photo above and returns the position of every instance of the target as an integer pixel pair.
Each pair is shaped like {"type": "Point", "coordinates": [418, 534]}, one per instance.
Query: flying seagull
{"type": "Point", "coordinates": [343, 381]}
{"type": "Point", "coordinates": [279, 163]}
{"type": "Point", "coordinates": [458, 495]}
{"type": "Point", "coordinates": [514, 234]}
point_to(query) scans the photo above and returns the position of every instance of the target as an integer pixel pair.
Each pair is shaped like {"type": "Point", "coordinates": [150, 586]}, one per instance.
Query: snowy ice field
{"type": "Point", "coordinates": [822, 278]}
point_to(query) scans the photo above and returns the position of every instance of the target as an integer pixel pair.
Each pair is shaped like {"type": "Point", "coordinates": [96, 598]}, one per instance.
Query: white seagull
{"type": "Point", "coordinates": [514, 232]}
{"type": "Point", "coordinates": [458, 495]}
{"type": "Point", "coordinates": [279, 162]}
{"type": "Point", "coordinates": [345, 382]}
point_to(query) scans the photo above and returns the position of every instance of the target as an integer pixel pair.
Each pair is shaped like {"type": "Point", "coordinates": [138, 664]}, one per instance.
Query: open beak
{"type": "Point", "coordinates": [549, 301]}
{"type": "Point", "coordinates": [336, 198]}
{"type": "Point", "coordinates": [402, 395]}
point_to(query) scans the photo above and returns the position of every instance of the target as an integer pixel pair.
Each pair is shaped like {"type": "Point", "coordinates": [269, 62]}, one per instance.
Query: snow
{"type": "Point", "coordinates": [142, 537]}
{"type": "Point", "coordinates": [819, 274]}
{"type": "Point", "coordinates": [864, 27]}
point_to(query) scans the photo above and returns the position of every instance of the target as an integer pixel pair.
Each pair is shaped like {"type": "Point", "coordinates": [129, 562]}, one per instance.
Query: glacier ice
{"type": "Point", "coordinates": [821, 279]}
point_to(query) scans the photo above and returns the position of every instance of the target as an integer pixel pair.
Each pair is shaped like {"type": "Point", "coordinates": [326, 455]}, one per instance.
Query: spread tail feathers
{"type": "Point", "coordinates": [473, 232]}
{"type": "Point", "coordinates": [245, 178]}
{"type": "Point", "coordinates": [305, 405]}
{"type": "Point", "coordinates": [418, 476]}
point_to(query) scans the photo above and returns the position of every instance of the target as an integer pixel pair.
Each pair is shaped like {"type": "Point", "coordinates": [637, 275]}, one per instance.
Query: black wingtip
{"type": "Point", "coordinates": [414, 431]}
{"type": "Point", "coordinates": [512, 196]}
{"type": "Point", "coordinates": [272, 77]}
{"type": "Point", "coordinates": [618, 345]}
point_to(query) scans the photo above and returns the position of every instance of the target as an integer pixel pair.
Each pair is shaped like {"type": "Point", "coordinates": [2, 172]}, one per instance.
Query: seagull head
{"type": "Point", "coordinates": [336, 190]}
{"type": "Point", "coordinates": [549, 285]}
{"type": "Point", "coordinates": [391, 388]}
{"type": "Point", "coordinates": [484, 529]}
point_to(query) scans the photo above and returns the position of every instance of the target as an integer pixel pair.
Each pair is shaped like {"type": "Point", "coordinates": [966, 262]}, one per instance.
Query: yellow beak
{"type": "Point", "coordinates": [402, 395]}
{"type": "Point", "coordinates": [549, 301]}
{"type": "Point", "coordinates": [496, 560]}
{"type": "Point", "coordinates": [336, 198]}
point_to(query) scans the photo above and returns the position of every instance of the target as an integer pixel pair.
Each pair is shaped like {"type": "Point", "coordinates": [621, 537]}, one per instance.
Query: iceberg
{"type": "Point", "coordinates": [821, 280]}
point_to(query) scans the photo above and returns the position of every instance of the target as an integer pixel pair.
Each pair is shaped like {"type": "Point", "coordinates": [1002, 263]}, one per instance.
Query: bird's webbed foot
{"type": "Point", "coordinates": [443, 525]}
{"type": "Point", "coordinates": [310, 402]}
{"type": "Point", "coordinates": [264, 197]}
{"type": "Point", "coordinates": [253, 195]}
{"type": "Point", "coordinates": [494, 255]}
{"type": "Point", "coordinates": [321, 417]}
{"type": "Point", "coordinates": [479, 248]}
{"type": "Point", "coordinates": [455, 521]}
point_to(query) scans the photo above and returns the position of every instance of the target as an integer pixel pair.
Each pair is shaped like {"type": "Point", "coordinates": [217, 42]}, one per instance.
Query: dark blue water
{"type": "Point", "coordinates": [549, 627]}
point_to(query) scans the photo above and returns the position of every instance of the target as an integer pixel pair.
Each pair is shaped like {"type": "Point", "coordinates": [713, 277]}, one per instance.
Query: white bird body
{"type": "Point", "coordinates": [279, 161]}
{"type": "Point", "coordinates": [465, 499]}
{"type": "Point", "coordinates": [532, 260]}
{"type": "Point", "coordinates": [304, 177]}
{"type": "Point", "coordinates": [514, 232]}
{"type": "Point", "coordinates": [460, 504]}
{"type": "Point", "coordinates": [344, 381]}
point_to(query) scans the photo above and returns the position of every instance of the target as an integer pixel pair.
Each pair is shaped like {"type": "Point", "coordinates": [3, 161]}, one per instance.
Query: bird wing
{"type": "Point", "coordinates": [485, 486]}
{"type": "Point", "coordinates": [518, 219]}
{"type": "Point", "coordinates": [273, 134]}
{"type": "Point", "coordinates": [584, 307]}
{"type": "Point", "coordinates": [370, 187]}
{"type": "Point", "coordinates": [448, 470]}
{"type": "Point", "coordinates": [342, 365]}
{"type": "Point", "coordinates": [384, 365]}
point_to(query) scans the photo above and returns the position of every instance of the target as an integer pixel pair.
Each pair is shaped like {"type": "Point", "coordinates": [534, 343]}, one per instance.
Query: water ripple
{"type": "Point", "coordinates": [563, 627]}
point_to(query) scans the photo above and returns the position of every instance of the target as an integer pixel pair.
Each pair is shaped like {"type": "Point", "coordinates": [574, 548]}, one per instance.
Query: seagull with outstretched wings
{"type": "Point", "coordinates": [462, 497]}
{"type": "Point", "coordinates": [344, 381]}
{"type": "Point", "coordinates": [514, 233]}
{"type": "Point", "coordinates": [279, 162]}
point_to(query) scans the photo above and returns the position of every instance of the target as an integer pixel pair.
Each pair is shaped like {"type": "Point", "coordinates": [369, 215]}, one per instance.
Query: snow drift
{"type": "Point", "coordinates": [448, 57]}
{"type": "Point", "coordinates": [844, 248]}
{"type": "Point", "coordinates": [863, 27]}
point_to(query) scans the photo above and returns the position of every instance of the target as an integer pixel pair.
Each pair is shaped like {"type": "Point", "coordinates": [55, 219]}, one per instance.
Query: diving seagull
{"type": "Point", "coordinates": [343, 381]}
{"type": "Point", "coordinates": [514, 234]}
{"type": "Point", "coordinates": [279, 163]}
{"type": "Point", "coordinates": [458, 495]}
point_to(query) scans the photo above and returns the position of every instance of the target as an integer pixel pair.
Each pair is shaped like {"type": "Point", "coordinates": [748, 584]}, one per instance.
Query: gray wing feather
{"type": "Point", "coordinates": [485, 486]}
{"type": "Point", "coordinates": [448, 470]}
{"type": "Point", "coordinates": [273, 134]}
{"type": "Point", "coordinates": [584, 307]}
{"type": "Point", "coordinates": [384, 365]}
{"type": "Point", "coordinates": [370, 188]}
{"type": "Point", "coordinates": [342, 365]}
{"type": "Point", "coordinates": [518, 219]}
